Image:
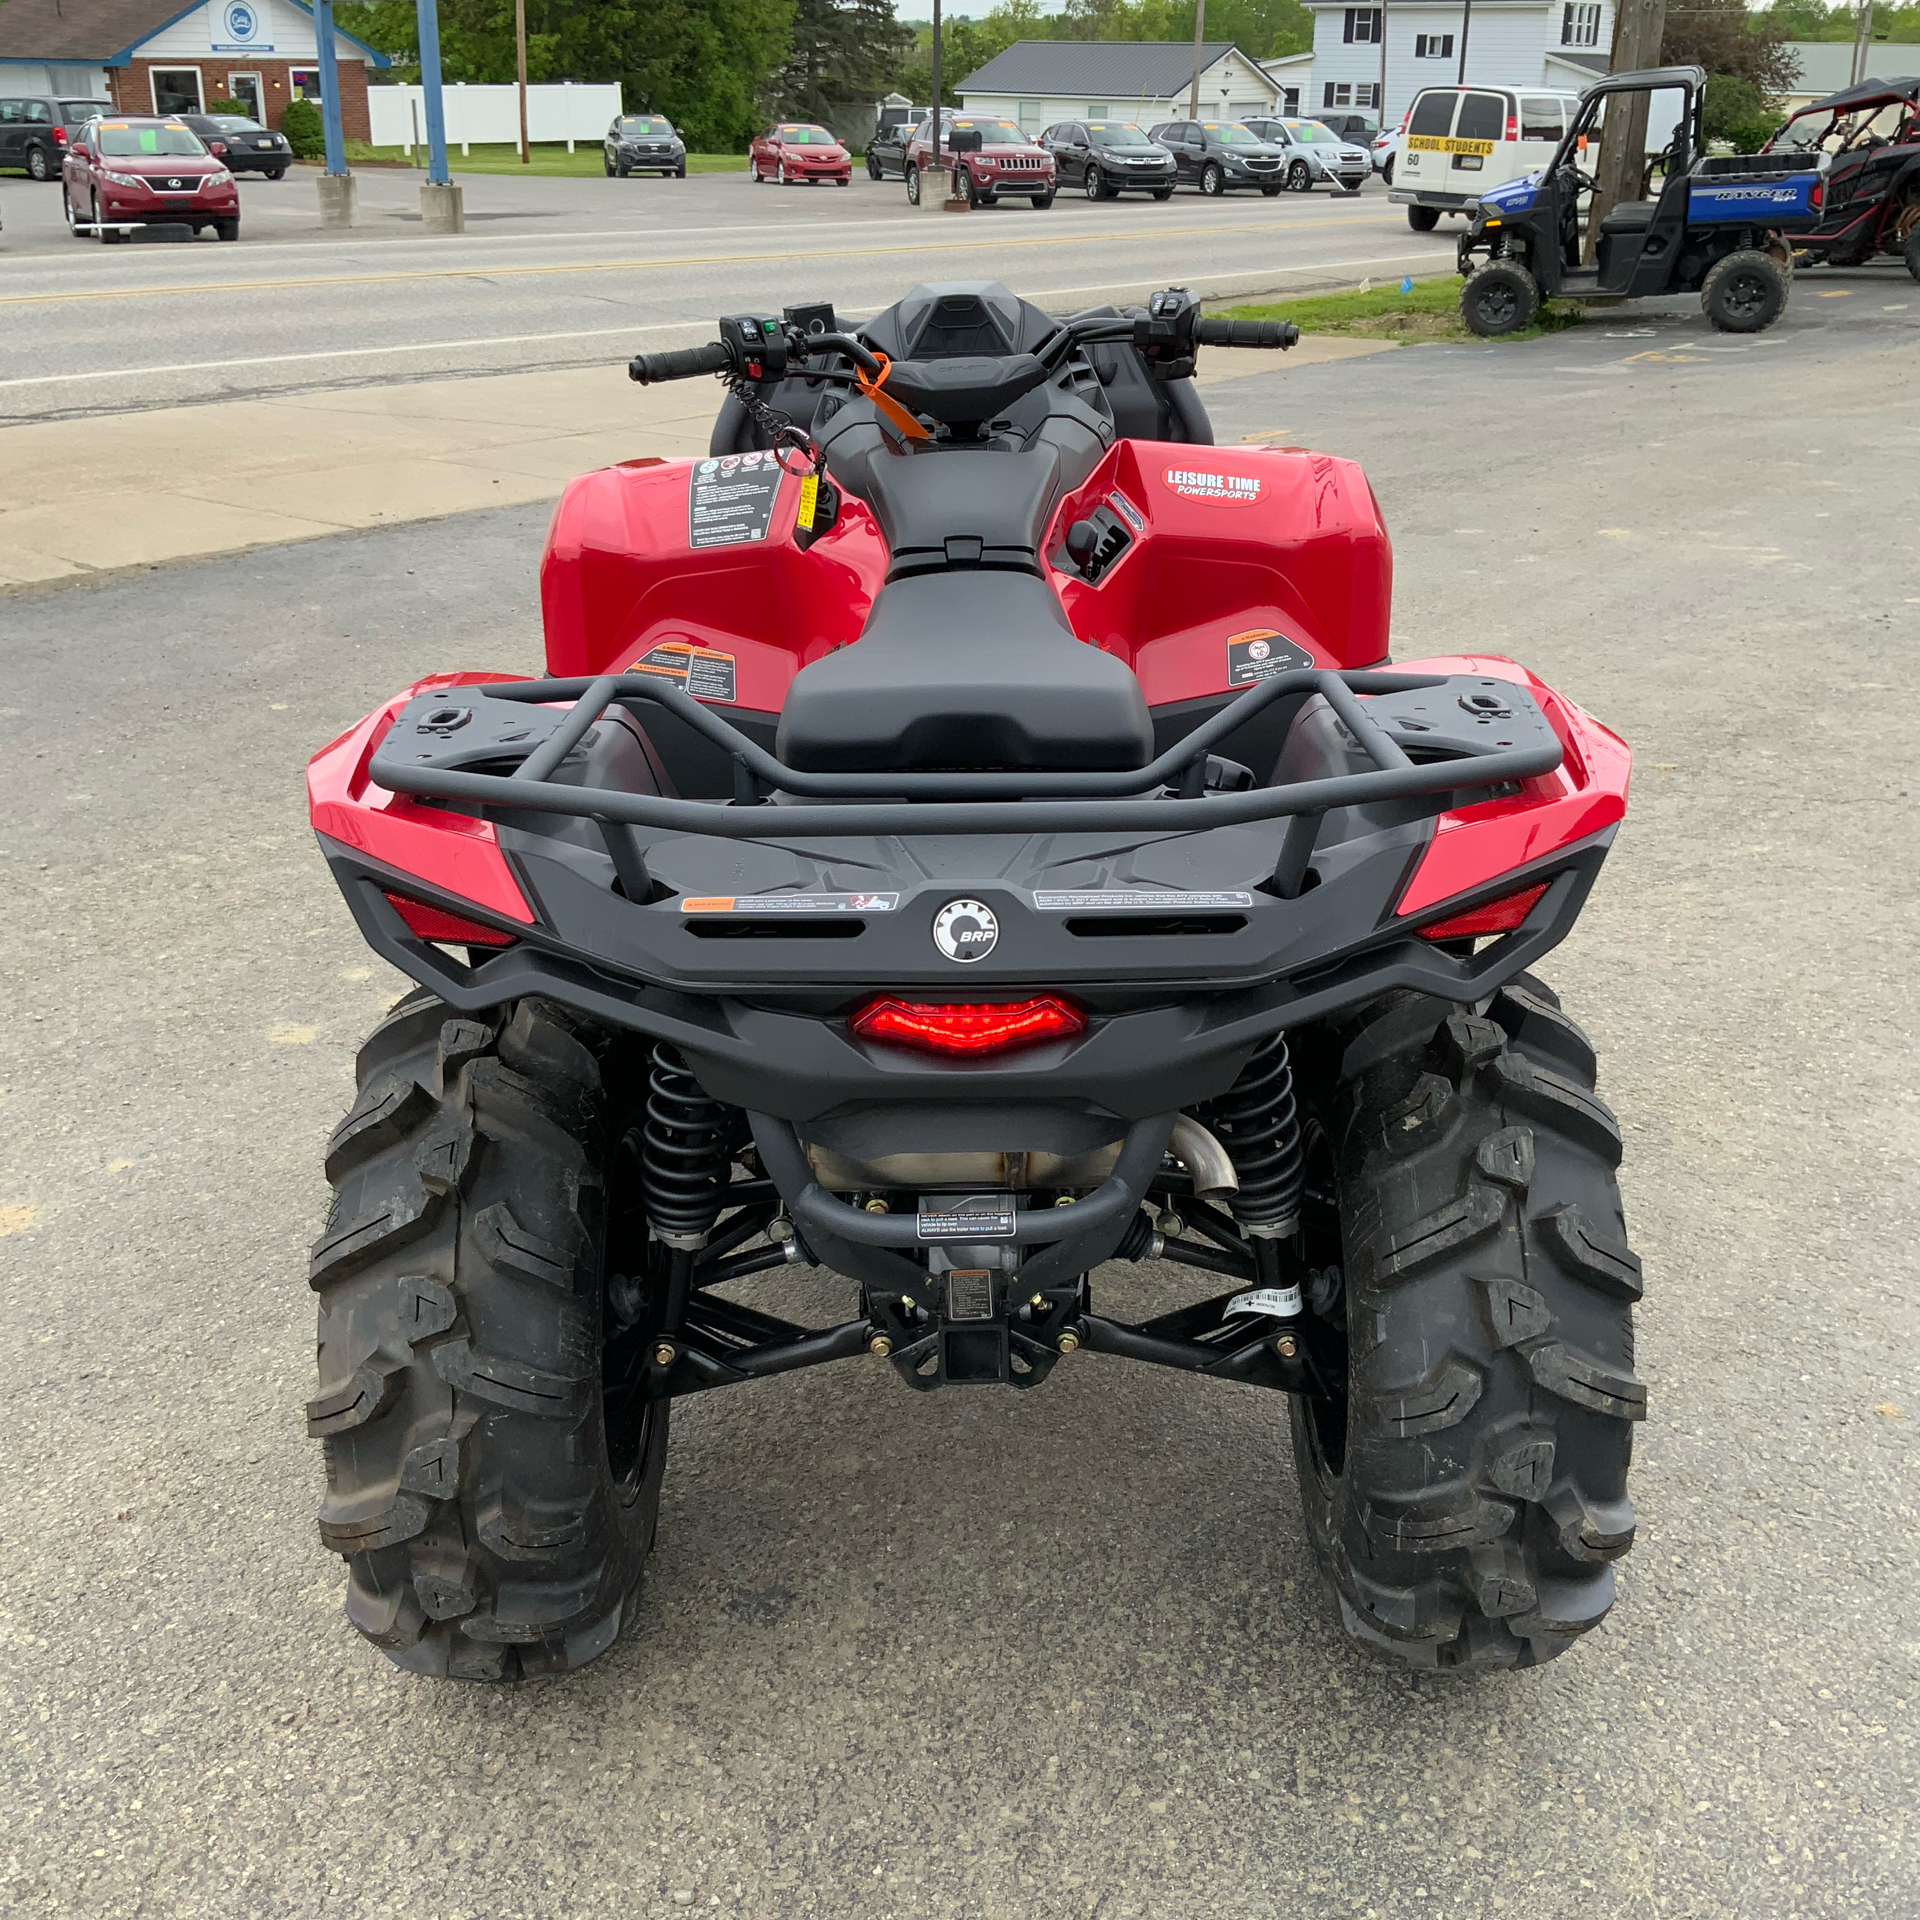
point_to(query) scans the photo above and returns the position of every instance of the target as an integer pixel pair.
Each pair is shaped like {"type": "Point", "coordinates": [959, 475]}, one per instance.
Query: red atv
{"type": "Point", "coordinates": [971, 833]}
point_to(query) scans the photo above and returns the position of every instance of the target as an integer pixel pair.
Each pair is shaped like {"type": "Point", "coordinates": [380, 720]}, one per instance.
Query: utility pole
{"type": "Point", "coordinates": [1638, 26]}
{"type": "Point", "coordinates": [1199, 34]}
{"type": "Point", "coordinates": [520, 54]}
{"type": "Point", "coordinates": [1862, 34]}
{"type": "Point", "coordinates": [935, 83]}
{"type": "Point", "coordinates": [1466, 27]}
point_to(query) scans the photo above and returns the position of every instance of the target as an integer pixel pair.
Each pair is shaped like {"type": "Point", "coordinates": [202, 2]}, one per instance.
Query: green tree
{"type": "Point", "coordinates": [844, 51]}
{"type": "Point", "coordinates": [1723, 37]}
{"type": "Point", "coordinates": [706, 64]}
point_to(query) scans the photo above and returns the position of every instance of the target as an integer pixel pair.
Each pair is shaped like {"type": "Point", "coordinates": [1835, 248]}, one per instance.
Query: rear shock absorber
{"type": "Point", "coordinates": [687, 1146]}
{"type": "Point", "coordinates": [1259, 1125]}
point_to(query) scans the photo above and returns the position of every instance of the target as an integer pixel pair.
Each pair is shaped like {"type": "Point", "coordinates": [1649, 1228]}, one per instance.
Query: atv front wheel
{"type": "Point", "coordinates": [1745, 292]}
{"type": "Point", "coordinates": [1501, 298]}
{"type": "Point", "coordinates": [491, 1481]}
{"type": "Point", "coordinates": [1473, 1290]}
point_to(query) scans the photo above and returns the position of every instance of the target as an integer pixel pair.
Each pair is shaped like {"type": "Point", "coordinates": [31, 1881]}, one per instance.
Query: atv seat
{"type": "Point", "coordinates": [967, 669]}
{"type": "Point", "coordinates": [1628, 216]}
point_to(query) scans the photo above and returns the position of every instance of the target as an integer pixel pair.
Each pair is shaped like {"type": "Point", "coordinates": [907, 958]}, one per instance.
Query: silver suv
{"type": "Point", "coordinates": [1312, 153]}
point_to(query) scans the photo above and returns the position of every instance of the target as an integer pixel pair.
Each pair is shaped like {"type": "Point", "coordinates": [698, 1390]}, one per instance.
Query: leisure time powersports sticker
{"type": "Point", "coordinates": [1260, 653]}
{"type": "Point", "coordinates": [704, 672]}
{"type": "Point", "coordinates": [731, 499]}
{"type": "Point", "coordinates": [1223, 489]}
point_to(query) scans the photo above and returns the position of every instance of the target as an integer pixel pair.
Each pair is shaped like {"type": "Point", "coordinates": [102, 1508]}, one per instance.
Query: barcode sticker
{"type": "Point", "coordinates": [1281, 1302]}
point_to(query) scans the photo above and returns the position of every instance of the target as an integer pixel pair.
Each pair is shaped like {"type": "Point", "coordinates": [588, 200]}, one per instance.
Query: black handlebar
{"type": "Point", "coordinates": [684, 363]}
{"type": "Point", "coordinates": [1246, 333]}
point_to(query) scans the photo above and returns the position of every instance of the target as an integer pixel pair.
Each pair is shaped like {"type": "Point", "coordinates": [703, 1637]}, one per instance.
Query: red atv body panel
{"type": "Point", "coordinates": [1227, 541]}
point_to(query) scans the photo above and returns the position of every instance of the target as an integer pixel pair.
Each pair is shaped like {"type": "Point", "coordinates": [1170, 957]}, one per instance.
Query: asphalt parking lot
{"type": "Point", "coordinates": [1058, 1653]}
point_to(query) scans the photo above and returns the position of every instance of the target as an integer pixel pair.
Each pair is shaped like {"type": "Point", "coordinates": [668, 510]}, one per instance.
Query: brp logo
{"type": "Point", "coordinates": [965, 930]}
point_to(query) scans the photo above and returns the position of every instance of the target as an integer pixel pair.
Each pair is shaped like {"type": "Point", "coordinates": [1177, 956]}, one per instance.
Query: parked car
{"type": "Point", "coordinates": [1215, 157]}
{"type": "Point", "coordinates": [1870, 133]}
{"type": "Point", "coordinates": [1384, 145]}
{"type": "Point", "coordinates": [887, 145]}
{"type": "Point", "coordinates": [139, 170]}
{"type": "Point", "coordinates": [35, 129]}
{"type": "Point", "coordinates": [793, 152]}
{"type": "Point", "coordinates": [244, 145]}
{"type": "Point", "coordinates": [1349, 126]}
{"type": "Point", "coordinates": [1314, 152]}
{"type": "Point", "coordinates": [1461, 142]}
{"type": "Point", "coordinates": [997, 161]}
{"type": "Point", "coordinates": [1107, 157]}
{"type": "Point", "coordinates": [644, 143]}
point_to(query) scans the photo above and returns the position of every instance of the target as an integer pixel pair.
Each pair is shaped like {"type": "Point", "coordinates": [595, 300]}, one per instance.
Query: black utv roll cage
{"type": "Point", "coordinates": [1488, 734]}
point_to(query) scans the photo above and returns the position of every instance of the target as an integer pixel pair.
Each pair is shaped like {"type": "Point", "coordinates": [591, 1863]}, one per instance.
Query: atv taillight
{"type": "Point", "coordinates": [1497, 916]}
{"type": "Point", "coordinates": [965, 1027]}
{"type": "Point", "coordinates": [436, 923]}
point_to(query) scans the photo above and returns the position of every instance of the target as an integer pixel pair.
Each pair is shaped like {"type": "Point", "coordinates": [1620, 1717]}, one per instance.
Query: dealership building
{"type": "Point", "coordinates": [154, 56]}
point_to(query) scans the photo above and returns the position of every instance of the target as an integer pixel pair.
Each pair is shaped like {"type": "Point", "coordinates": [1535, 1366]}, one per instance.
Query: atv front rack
{"type": "Point", "coordinates": [1479, 734]}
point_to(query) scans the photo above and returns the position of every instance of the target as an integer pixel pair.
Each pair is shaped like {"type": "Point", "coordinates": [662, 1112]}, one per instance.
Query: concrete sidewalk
{"type": "Point", "coordinates": [79, 497]}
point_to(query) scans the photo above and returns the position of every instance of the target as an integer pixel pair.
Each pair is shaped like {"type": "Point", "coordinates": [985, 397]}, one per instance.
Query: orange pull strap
{"type": "Point", "coordinates": [893, 410]}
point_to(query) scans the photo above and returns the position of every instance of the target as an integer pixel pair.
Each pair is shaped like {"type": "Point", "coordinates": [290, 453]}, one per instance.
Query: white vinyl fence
{"type": "Point", "coordinates": [479, 116]}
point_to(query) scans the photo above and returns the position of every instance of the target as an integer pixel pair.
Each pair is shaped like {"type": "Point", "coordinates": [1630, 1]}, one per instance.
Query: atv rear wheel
{"type": "Point", "coordinates": [493, 1496]}
{"type": "Point", "coordinates": [1745, 292]}
{"type": "Point", "coordinates": [1474, 1291]}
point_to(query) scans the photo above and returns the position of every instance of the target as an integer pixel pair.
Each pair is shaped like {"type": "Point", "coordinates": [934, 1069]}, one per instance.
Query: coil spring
{"type": "Point", "coordinates": [1259, 1125]}
{"type": "Point", "coordinates": [686, 1147]}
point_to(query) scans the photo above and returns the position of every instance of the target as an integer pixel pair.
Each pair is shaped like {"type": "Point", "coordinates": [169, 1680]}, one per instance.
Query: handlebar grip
{"type": "Point", "coordinates": [1246, 333]}
{"type": "Point", "coordinates": [684, 363]}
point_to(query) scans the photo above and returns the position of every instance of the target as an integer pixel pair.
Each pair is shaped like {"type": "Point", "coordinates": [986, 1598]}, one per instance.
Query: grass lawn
{"type": "Point", "coordinates": [1431, 311]}
{"type": "Point", "coordinates": [553, 159]}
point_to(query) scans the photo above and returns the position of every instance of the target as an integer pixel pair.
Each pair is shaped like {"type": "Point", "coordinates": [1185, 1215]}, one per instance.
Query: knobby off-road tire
{"type": "Point", "coordinates": [493, 1504]}
{"type": "Point", "coordinates": [1467, 1504]}
{"type": "Point", "coordinates": [1499, 298]}
{"type": "Point", "coordinates": [1744, 293]}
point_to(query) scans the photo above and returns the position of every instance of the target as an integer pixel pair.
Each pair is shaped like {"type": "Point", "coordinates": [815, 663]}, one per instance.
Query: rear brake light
{"type": "Point", "coordinates": [1497, 916]}
{"type": "Point", "coordinates": [59, 136]}
{"type": "Point", "coordinates": [1813, 199]}
{"type": "Point", "coordinates": [968, 1028]}
{"type": "Point", "coordinates": [436, 923]}
{"type": "Point", "coordinates": [1513, 128]}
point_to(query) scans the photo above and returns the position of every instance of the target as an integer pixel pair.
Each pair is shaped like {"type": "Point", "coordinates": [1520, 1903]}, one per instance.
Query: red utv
{"type": "Point", "coordinates": [970, 836]}
{"type": "Point", "coordinates": [1871, 198]}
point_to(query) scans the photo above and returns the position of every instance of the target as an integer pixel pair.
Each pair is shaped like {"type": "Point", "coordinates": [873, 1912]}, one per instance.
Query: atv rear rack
{"type": "Point", "coordinates": [1488, 733]}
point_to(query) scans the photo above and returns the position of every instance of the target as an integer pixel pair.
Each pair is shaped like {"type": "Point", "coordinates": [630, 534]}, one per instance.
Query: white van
{"type": "Point", "coordinates": [1456, 142]}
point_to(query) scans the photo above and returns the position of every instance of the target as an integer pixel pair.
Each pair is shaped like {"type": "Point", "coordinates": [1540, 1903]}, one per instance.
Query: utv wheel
{"type": "Point", "coordinates": [1500, 298]}
{"type": "Point", "coordinates": [1744, 293]}
{"type": "Point", "coordinates": [1467, 1499]}
{"type": "Point", "coordinates": [1213, 181]}
{"type": "Point", "coordinates": [1423, 219]}
{"type": "Point", "coordinates": [490, 1482]}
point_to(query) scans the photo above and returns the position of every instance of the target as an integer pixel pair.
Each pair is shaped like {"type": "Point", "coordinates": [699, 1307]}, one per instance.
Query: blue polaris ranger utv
{"type": "Point", "coordinates": [1712, 225]}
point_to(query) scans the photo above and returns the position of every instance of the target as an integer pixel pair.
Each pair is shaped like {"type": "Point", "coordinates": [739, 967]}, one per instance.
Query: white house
{"type": "Point", "coordinates": [1036, 82]}
{"type": "Point", "coordinates": [1825, 66]}
{"type": "Point", "coordinates": [1373, 60]}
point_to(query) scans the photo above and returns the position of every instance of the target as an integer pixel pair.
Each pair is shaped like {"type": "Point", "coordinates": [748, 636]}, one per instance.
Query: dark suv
{"type": "Point", "coordinates": [1215, 155]}
{"type": "Point", "coordinates": [1101, 157]}
{"type": "Point", "coordinates": [34, 129]}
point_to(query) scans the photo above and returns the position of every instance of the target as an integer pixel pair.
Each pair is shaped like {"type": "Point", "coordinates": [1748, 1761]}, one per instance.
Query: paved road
{"type": "Point", "coordinates": [1056, 1653]}
{"type": "Point", "coordinates": [557, 272]}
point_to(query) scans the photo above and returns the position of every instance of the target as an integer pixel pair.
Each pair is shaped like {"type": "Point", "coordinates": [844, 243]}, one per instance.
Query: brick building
{"type": "Point", "coordinates": [154, 56]}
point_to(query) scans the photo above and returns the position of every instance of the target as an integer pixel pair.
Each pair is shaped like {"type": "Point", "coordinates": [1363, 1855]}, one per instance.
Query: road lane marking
{"type": "Point", "coordinates": [628, 266]}
{"type": "Point", "coordinates": [588, 333]}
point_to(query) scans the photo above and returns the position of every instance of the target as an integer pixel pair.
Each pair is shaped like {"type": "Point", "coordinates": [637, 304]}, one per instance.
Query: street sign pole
{"type": "Point", "coordinates": [442, 204]}
{"type": "Point", "coordinates": [329, 88]}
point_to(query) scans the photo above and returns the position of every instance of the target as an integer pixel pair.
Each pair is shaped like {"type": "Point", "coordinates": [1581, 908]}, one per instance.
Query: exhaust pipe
{"type": "Point", "coordinates": [1204, 1157]}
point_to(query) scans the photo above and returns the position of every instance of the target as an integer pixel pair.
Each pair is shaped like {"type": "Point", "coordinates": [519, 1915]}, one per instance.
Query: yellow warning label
{"type": "Point", "coordinates": [1445, 143]}
{"type": "Point", "coordinates": [809, 499]}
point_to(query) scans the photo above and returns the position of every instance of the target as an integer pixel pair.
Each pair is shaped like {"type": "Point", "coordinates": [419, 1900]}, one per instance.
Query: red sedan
{"type": "Point", "coordinates": [788, 152]}
{"type": "Point", "coordinates": [131, 171]}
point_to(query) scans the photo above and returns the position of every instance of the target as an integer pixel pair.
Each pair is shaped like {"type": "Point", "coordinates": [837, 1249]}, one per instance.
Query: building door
{"type": "Point", "coordinates": [176, 90]}
{"type": "Point", "coordinates": [246, 88]}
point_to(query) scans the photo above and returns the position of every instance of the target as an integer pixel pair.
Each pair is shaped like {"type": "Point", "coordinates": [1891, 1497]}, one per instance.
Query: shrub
{"type": "Point", "coordinates": [305, 135]}
{"type": "Point", "coordinates": [230, 106]}
{"type": "Point", "coordinates": [1736, 111]}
